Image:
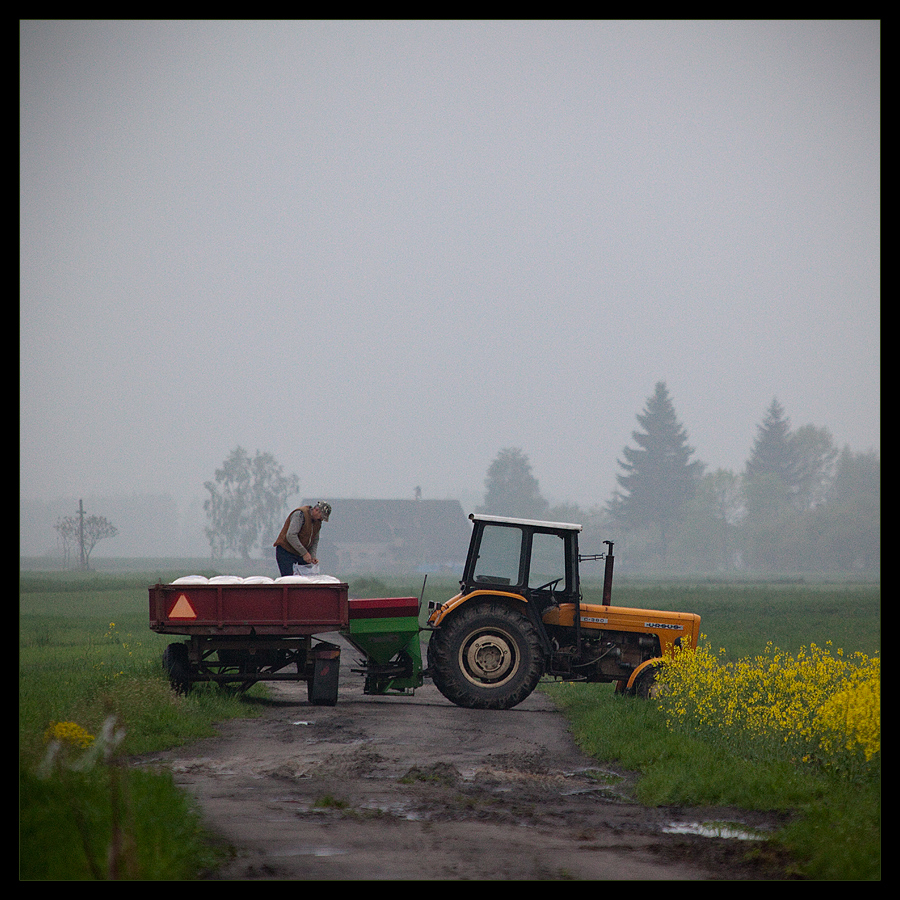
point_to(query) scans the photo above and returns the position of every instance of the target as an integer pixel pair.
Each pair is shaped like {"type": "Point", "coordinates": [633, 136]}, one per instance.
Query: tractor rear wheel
{"type": "Point", "coordinates": [486, 656]}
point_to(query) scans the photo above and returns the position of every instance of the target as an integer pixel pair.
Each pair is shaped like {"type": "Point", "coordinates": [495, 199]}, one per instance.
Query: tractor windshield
{"type": "Point", "coordinates": [499, 556]}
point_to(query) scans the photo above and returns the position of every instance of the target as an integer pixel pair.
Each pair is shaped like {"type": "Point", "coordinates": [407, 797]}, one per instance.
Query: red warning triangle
{"type": "Point", "coordinates": [182, 609]}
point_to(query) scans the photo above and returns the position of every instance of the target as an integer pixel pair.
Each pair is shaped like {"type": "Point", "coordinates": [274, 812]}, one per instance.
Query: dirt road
{"type": "Point", "coordinates": [397, 788]}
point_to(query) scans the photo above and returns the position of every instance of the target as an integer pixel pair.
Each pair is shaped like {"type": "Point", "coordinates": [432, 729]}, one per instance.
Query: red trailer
{"type": "Point", "coordinates": [245, 632]}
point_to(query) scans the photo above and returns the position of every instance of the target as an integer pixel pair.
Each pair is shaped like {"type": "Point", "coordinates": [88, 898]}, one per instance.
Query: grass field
{"type": "Point", "coordinates": [88, 661]}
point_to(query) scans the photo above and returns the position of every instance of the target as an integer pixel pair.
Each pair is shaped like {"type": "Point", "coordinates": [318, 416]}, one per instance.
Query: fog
{"type": "Point", "coordinates": [383, 251]}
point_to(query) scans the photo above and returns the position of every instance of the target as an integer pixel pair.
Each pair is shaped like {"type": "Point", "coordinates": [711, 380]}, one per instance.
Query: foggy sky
{"type": "Point", "coordinates": [383, 251]}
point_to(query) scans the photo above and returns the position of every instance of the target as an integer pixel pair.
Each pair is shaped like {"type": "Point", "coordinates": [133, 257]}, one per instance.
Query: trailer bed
{"type": "Point", "coordinates": [249, 609]}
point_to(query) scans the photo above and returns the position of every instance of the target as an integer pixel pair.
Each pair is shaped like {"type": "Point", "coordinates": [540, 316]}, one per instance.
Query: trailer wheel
{"type": "Point", "coordinates": [323, 682]}
{"type": "Point", "coordinates": [176, 663]}
{"type": "Point", "coordinates": [487, 656]}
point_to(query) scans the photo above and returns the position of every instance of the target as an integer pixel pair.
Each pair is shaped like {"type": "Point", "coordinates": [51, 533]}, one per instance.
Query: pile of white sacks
{"type": "Point", "coordinates": [258, 579]}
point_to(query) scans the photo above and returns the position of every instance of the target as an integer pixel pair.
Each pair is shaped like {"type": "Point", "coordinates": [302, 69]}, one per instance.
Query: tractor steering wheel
{"type": "Point", "coordinates": [550, 584]}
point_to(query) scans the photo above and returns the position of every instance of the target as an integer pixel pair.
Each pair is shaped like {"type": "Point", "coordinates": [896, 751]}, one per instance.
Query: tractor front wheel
{"type": "Point", "coordinates": [486, 656]}
{"type": "Point", "coordinates": [646, 686]}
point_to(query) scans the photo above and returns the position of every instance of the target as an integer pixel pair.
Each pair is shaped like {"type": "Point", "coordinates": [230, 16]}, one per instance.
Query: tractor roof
{"type": "Point", "coordinates": [507, 520]}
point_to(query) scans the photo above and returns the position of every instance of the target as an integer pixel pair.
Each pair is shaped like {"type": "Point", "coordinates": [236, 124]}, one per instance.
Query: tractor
{"type": "Point", "coordinates": [519, 617]}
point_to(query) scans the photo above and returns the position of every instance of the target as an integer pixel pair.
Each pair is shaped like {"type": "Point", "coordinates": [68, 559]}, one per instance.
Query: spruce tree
{"type": "Point", "coordinates": [770, 492]}
{"type": "Point", "coordinates": [511, 489]}
{"type": "Point", "coordinates": [774, 452]}
{"type": "Point", "coordinates": [659, 477]}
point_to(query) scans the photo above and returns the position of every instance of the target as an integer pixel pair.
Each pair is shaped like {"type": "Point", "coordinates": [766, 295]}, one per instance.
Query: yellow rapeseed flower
{"type": "Point", "coordinates": [70, 733]}
{"type": "Point", "coordinates": [815, 705]}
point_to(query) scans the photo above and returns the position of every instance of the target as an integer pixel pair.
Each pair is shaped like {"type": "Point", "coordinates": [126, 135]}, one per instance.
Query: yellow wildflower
{"type": "Point", "coordinates": [70, 733]}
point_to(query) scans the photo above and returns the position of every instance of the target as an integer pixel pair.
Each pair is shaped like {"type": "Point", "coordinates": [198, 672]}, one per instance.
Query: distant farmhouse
{"type": "Point", "coordinates": [394, 535]}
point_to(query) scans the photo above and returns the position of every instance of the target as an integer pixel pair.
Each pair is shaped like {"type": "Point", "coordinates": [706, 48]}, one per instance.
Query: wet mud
{"type": "Point", "coordinates": [415, 788]}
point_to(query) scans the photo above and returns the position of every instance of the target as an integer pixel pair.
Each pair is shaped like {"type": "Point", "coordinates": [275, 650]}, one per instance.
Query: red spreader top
{"type": "Point", "coordinates": [384, 608]}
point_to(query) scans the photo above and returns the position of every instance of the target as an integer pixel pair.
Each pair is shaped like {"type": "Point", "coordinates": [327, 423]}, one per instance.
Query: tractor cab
{"type": "Point", "coordinates": [537, 561]}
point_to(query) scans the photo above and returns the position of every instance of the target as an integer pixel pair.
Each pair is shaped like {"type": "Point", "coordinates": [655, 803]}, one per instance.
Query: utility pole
{"type": "Point", "coordinates": [81, 532]}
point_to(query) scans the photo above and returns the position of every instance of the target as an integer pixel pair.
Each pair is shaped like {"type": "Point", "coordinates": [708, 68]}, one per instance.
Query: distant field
{"type": "Point", "coordinates": [743, 618]}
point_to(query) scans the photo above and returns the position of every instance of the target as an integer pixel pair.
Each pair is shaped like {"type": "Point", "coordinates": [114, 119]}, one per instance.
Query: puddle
{"type": "Point", "coordinates": [599, 783]}
{"type": "Point", "coordinates": [309, 851]}
{"type": "Point", "coordinates": [731, 830]}
{"type": "Point", "coordinates": [398, 810]}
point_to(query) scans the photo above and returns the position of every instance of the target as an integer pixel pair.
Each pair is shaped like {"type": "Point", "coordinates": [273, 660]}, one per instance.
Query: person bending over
{"type": "Point", "coordinates": [298, 541]}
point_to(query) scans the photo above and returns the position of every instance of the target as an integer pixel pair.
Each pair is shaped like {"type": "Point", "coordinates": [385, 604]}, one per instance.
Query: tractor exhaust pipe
{"type": "Point", "coordinates": [608, 571]}
{"type": "Point", "coordinates": [608, 574]}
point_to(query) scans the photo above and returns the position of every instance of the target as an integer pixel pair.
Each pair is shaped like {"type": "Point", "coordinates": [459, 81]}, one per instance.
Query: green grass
{"type": "Point", "coordinates": [65, 828]}
{"type": "Point", "coordinates": [676, 769]}
{"type": "Point", "coordinates": [86, 654]}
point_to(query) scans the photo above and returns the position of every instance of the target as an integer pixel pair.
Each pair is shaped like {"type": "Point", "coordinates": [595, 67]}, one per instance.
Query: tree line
{"type": "Point", "coordinates": [800, 504]}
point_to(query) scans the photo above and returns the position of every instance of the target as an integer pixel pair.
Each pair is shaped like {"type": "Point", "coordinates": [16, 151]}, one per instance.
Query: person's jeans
{"type": "Point", "coordinates": [286, 560]}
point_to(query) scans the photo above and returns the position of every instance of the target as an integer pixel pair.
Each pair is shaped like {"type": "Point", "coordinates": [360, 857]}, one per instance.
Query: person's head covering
{"type": "Point", "coordinates": [325, 509]}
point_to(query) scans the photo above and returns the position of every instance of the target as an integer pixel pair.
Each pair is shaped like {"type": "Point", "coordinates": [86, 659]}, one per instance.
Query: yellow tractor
{"type": "Point", "coordinates": [519, 616]}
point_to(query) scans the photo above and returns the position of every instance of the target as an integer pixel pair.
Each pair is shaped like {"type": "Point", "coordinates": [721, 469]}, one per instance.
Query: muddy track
{"type": "Point", "coordinates": [396, 788]}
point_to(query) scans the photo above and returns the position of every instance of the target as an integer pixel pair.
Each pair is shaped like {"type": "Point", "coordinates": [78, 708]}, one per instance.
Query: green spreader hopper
{"type": "Point", "coordinates": [386, 632]}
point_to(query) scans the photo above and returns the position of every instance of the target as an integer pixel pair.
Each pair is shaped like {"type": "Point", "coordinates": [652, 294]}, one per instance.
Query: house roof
{"type": "Point", "coordinates": [438, 525]}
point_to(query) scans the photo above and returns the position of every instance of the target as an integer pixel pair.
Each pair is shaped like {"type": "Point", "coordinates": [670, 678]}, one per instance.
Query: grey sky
{"type": "Point", "coordinates": [385, 251]}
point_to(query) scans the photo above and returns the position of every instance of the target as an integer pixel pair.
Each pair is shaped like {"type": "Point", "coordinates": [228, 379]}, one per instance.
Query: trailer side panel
{"type": "Point", "coordinates": [269, 609]}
